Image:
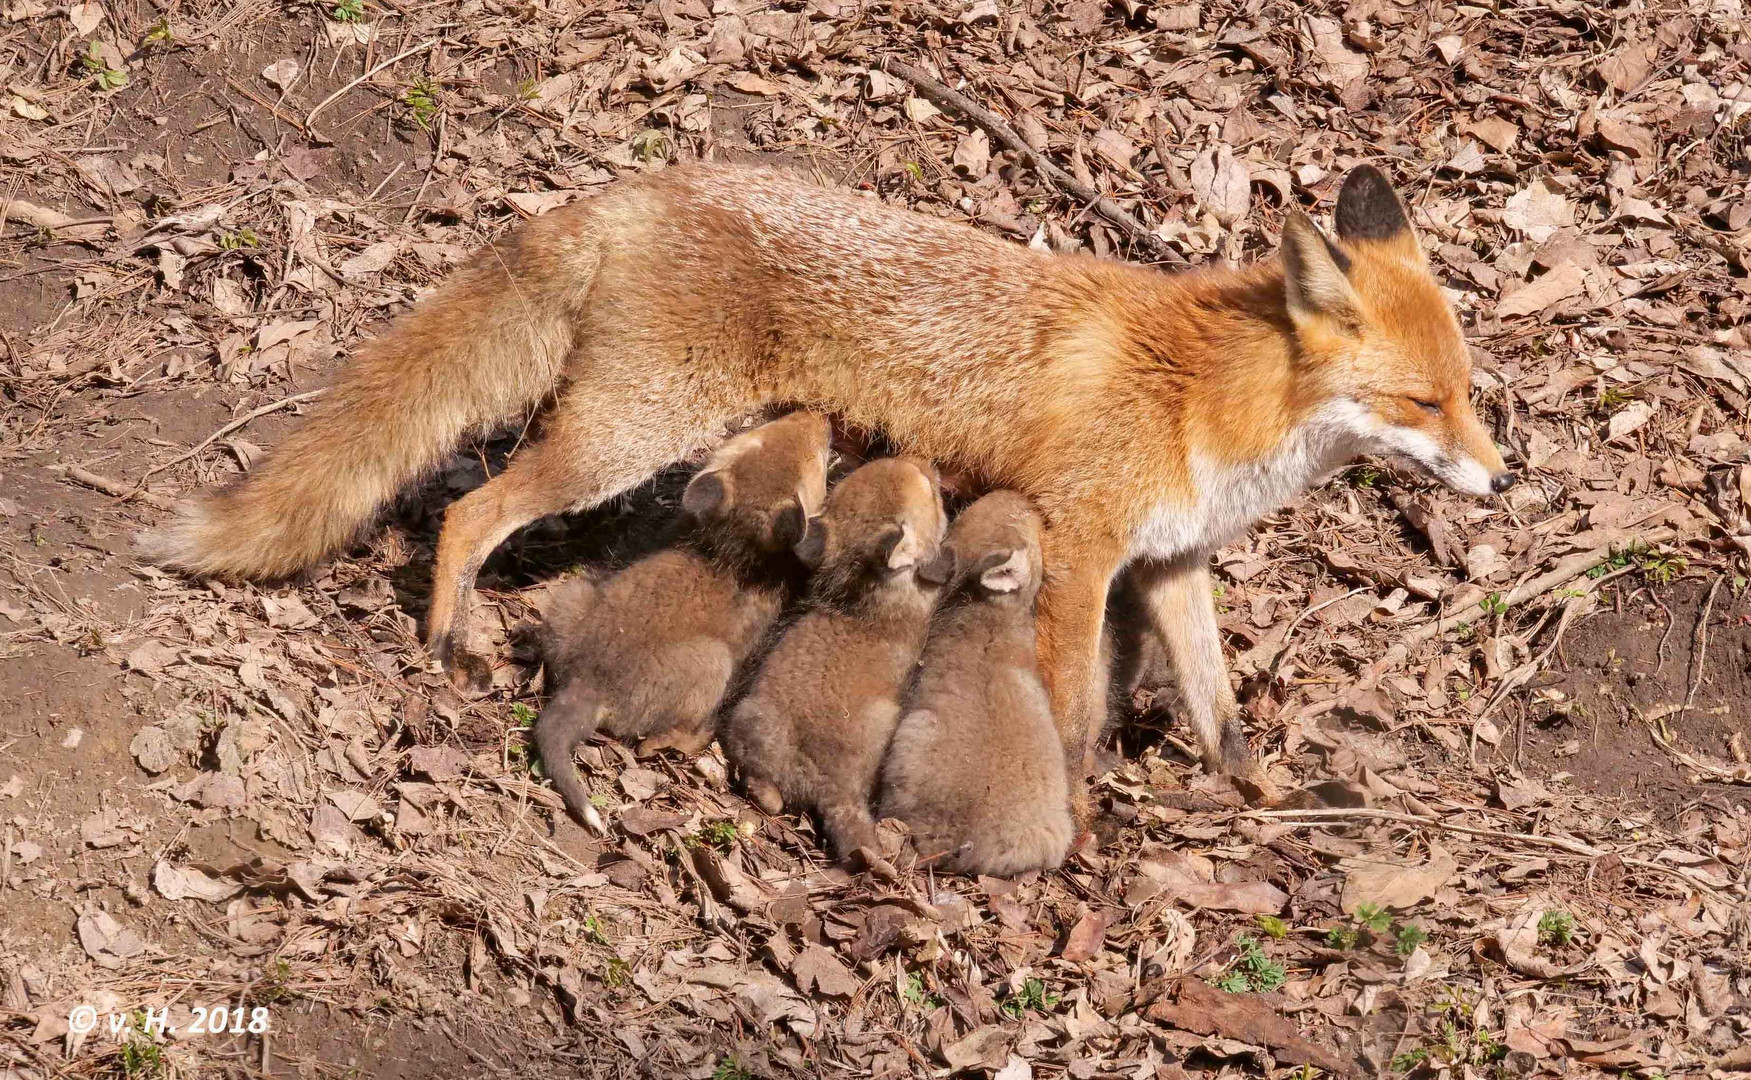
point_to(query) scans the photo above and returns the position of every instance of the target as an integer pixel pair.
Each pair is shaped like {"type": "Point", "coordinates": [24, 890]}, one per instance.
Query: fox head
{"type": "Point", "coordinates": [1381, 348]}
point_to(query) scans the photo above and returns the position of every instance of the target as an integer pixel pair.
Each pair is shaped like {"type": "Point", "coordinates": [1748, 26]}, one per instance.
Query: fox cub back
{"type": "Point", "coordinates": [976, 767]}
{"type": "Point", "coordinates": [651, 652]}
{"type": "Point", "coordinates": [813, 728]}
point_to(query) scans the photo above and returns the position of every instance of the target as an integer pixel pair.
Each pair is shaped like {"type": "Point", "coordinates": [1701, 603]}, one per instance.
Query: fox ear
{"type": "Point", "coordinates": [939, 570]}
{"type": "Point", "coordinates": [789, 526]}
{"type": "Point", "coordinates": [1314, 280]}
{"type": "Point", "coordinates": [706, 493]}
{"type": "Point", "coordinates": [898, 546]}
{"type": "Point", "coordinates": [1368, 208]}
{"type": "Point", "coordinates": [1001, 572]}
{"type": "Point", "coordinates": [812, 548]}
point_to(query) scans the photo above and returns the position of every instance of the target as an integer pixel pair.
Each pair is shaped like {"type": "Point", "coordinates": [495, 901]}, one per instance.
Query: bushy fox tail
{"type": "Point", "coordinates": [570, 718]}
{"type": "Point", "coordinates": [485, 347]}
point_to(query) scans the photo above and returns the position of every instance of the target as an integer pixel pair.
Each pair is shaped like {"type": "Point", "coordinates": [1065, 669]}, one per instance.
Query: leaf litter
{"type": "Point", "coordinates": [1518, 843]}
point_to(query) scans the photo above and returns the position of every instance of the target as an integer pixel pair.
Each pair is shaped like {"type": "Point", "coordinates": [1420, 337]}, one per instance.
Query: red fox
{"type": "Point", "coordinates": [1149, 416]}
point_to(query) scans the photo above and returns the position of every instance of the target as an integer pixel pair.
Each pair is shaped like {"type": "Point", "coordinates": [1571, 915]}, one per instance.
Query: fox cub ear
{"type": "Point", "coordinates": [789, 526]}
{"type": "Point", "coordinates": [1315, 280]}
{"type": "Point", "coordinates": [1003, 572]}
{"type": "Point", "coordinates": [706, 494]}
{"type": "Point", "coordinates": [939, 570]}
{"type": "Point", "coordinates": [898, 546]}
{"type": "Point", "coordinates": [1368, 208]}
{"type": "Point", "coordinates": [812, 548]}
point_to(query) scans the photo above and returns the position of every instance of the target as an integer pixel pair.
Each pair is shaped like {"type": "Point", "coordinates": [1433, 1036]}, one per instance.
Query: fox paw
{"type": "Point", "coordinates": [468, 672]}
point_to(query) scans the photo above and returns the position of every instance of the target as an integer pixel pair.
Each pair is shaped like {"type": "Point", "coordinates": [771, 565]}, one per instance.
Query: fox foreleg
{"type": "Point", "coordinates": [1182, 607]}
{"type": "Point", "coordinates": [1072, 607]}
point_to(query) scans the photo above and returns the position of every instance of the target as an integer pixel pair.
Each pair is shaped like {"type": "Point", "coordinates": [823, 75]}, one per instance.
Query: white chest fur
{"type": "Point", "coordinates": [1229, 498]}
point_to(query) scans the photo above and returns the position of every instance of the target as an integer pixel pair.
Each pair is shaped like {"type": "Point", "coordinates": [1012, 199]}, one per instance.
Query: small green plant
{"type": "Point", "coordinates": [600, 802]}
{"type": "Point", "coordinates": [1408, 937]}
{"type": "Point", "coordinates": [1618, 560]}
{"type": "Point", "coordinates": [1364, 476]}
{"type": "Point", "coordinates": [616, 973]}
{"type": "Point", "coordinates": [1410, 1059]}
{"type": "Point", "coordinates": [142, 1056]}
{"type": "Point", "coordinates": [718, 834]}
{"type": "Point", "coordinates": [528, 90]}
{"type": "Point", "coordinates": [1493, 604]}
{"type": "Point", "coordinates": [1275, 929]}
{"type": "Point", "coordinates": [650, 145]}
{"type": "Point", "coordinates": [1611, 399]}
{"type": "Point", "coordinates": [1662, 569]}
{"type": "Point", "coordinates": [237, 241]}
{"type": "Point", "coordinates": [422, 100]}
{"type": "Point", "coordinates": [1031, 996]}
{"type": "Point", "coordinates": [523, 714]}
{"type": "Point", "coordinates": [592, 926]}
{"type": "Point", "coordinates": [1342, 937]}
{"type": "Point", "coordinates": [731, 1068]}
{"type": "Point", "coordinates": [348, 11]}
{"type": "Point", "coordinates": [1556, 928]}
{"type": "Point", "coordinates": [104, 76]}
{"type": "Point", "coordinates": [1374, 917]}
{"type": "Point", "coordinates": [160, 33]}
{"type": "Point", "coordinates": [1252, 971]}
{"type": "Point", "coordinates": [915, 993]}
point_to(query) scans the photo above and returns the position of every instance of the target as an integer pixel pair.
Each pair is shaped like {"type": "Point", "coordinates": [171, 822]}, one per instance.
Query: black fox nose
{"type": "Point", "coordinates": [1502, 481]}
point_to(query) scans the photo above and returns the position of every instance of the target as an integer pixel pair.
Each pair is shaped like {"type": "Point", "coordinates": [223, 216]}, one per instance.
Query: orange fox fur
{"type": "Point", "coordinates": [1149, 416]}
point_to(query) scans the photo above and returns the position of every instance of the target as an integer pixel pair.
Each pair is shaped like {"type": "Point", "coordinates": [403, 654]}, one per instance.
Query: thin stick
{"type": "Point", "coordinates": [1557, 843]}
{"type": "Point", "coordinates": [995, 126]}
{"type": "Point", "coordinates": [233, 426]}
{"type": "Point", "coordinates": [1700, 652]}
{"type": "Point", "coordinates": [1289, 634]}
{"type": "Point", "coordinates": [310, 118]}
{"type": "Point", "coordinates": [111, 487]}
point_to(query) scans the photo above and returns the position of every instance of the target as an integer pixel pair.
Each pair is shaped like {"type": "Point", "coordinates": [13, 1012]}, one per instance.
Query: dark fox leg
{"type": "Point", "coordinates": [601, 441]}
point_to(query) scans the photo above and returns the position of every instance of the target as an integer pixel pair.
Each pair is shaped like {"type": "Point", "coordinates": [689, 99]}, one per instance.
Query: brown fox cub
{"type": "Point", "coordinates": [651, 652]}
{"type": "Point", "coordinates": [975, 766]}
{"type": "Point", "coordinates": [815, 724]}
{"type": "Point", "coordinates": [1150, 417]}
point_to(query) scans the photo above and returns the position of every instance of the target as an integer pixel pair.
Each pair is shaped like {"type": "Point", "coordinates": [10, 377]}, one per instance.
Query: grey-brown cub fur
{"type": "Point", "coordinates": [652, 652]}
{"type": "Point", "coordinates": [976, 767]}
{"type": "Point", "coordinates": [814, 726]}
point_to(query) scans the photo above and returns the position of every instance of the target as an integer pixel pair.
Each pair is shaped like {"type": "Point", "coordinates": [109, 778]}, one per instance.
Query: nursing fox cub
{"type": "Point", "coordinates": [1150, 417]}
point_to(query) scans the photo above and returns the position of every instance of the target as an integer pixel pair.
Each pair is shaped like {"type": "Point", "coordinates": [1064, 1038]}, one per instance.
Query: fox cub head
{"type": "Point", "coordinates": [884, 522]}
{"type": "Point", "coordinates": [764, 485]}
{"type": "Point", "coordinates": [1380, 342]}
{"type": "Point", "coordinates": [994, 549]}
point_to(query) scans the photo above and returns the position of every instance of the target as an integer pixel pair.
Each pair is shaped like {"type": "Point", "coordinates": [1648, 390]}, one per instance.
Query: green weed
{"type": "Point", "coordinates": [1031, 996]}
{"type": "Point", "coordinates": [1252, 971]}
{"type": "Point", "coordinates": [104, 76]}
{"type": "Point", "coordinates": [1556, 928]}
{"type": "Point", "coordinates": [348, 11]}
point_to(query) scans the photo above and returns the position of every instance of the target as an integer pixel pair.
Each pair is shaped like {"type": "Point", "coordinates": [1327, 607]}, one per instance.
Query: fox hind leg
{"type": "Point", "coordinates": [600, 442]}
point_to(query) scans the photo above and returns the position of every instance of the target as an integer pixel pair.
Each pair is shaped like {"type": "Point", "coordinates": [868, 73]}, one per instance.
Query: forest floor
{"type": "Point", "coordinates": [1516, 728]}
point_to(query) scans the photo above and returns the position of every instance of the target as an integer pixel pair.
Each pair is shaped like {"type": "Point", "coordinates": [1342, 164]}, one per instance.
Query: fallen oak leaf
{"type": "Point", "coordinates": [1202, 1009]}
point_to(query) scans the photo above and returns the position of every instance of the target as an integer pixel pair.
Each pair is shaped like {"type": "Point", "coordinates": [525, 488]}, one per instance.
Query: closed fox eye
{"type": "Point", "coordinates": [1433, 408]}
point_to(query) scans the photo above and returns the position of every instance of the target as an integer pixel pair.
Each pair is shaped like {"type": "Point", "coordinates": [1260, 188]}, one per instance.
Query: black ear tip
{"type": "Point", "coordinates": [1368, 208]}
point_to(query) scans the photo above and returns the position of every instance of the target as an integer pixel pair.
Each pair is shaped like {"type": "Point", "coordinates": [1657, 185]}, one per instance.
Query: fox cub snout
{"type": "Point", "coordinates": [975, 767]}
{"type": "Point", "coordinates": [651, 652]}
{"type": "Point", "coordinates": [813, 728]}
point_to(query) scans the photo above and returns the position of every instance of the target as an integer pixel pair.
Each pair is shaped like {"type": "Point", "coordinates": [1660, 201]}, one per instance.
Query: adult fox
{"type": "Point", "coordinates": [1150, 417]}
